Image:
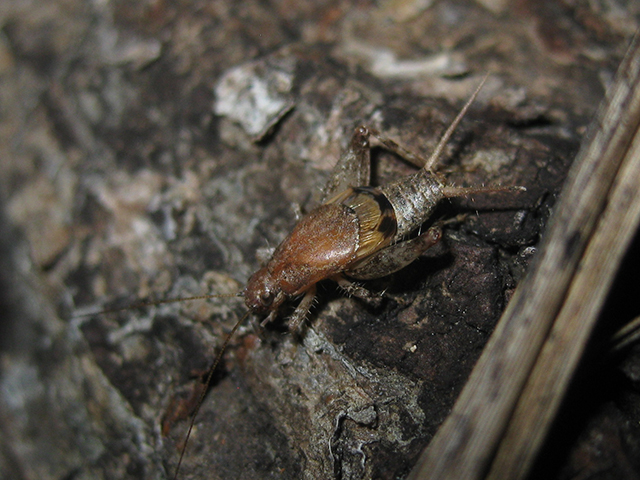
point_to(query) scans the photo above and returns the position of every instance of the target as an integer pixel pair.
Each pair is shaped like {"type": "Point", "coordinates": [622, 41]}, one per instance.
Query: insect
{"type": "Point", "coordinates": [358, 232]}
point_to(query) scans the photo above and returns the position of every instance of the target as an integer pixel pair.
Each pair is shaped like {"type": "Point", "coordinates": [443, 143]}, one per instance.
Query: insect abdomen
{"type": "Point", "coordinates": [413, 199]}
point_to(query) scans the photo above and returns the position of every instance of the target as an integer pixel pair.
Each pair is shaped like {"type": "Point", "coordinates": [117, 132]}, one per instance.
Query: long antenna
{"type": "Point", "coordinates": [206, 387]}
{"type": "Point", "coordinates": [215, 362]}
{"type": "Point", "coordinates": [151, 303]}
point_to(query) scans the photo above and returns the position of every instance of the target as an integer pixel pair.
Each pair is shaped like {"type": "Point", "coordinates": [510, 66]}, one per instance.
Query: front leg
{"type": "Point", "coordinates": [302, 310]}
{"type": "Point", "coordinates": [395, 257]}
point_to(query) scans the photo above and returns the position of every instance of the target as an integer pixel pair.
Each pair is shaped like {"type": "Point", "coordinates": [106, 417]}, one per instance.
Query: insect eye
{"type": "Point", "coordinates": [266, 298]}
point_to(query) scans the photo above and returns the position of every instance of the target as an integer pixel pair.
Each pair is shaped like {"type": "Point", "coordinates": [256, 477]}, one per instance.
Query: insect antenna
{"type": "Point", "coordinates": [152, 303]}
{"type": "Point", "coordinates": [206, 387]}
{"type": "Point", "coordinates": [215, 362]}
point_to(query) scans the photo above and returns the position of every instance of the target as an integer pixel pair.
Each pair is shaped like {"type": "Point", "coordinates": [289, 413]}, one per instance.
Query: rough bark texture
{"type": "Point", "coordinates": [128, 173]}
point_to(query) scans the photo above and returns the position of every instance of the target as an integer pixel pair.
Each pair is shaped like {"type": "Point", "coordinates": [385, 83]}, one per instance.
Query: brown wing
{"type": "Point", "coordinates": [376, 218]}
{"type": "Point", "coordinates": [323, 243]}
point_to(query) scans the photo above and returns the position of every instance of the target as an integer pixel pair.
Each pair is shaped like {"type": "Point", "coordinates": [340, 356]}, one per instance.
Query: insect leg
{"type": "Point", "coordinates": [417, 160]}
{"type": "Point", "coordinates": [356, 290]}
{"type": "Point", "coordinates": [398, 149]}
{"type": "Point", "coordinates": [302, 310]}
{"type": "Point", "coordinates": [397, 256]}
{"type": "Point", "coordinates": [353, 167]}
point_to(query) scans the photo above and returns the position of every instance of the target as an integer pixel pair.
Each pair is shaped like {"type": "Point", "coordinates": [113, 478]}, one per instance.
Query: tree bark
{"type": "Point", "coordinates": [149, 150]}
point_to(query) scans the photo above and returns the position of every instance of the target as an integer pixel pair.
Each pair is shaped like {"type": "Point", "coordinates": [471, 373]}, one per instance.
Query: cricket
{"type": "Point", "coordinates": [358, 232]}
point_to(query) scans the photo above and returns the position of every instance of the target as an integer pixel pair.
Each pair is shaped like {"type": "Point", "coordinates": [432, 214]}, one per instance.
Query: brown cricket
{"type": "Point", "coordinates": [359, 232]}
